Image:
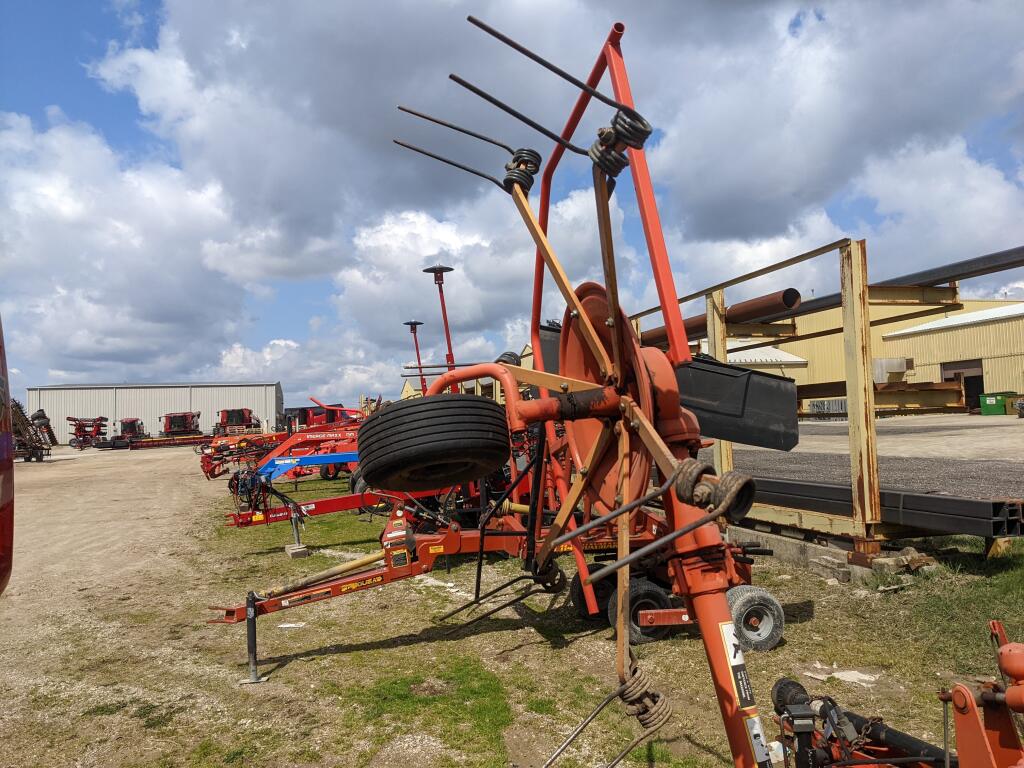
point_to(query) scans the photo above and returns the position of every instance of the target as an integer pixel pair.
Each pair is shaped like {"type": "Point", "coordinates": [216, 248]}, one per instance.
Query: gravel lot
{"type": "Point", "coordinates": [971, 456]}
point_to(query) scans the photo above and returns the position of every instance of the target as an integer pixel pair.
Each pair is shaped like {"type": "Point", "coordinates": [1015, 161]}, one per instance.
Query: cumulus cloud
{"type": "Point", "coordinates": [338, 365]}
{"type": "Point", "coordinates": [276, 165]}
{"type": "Point", "coordinates": [939, 205]}
{"type": "Point", "coordinates": [101, 265]}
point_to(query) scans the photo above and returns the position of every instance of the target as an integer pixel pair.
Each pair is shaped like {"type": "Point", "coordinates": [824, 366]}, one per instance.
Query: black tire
{"type": "Point", "coordinates": [358, 485]}
{"type": "Point", "coordinates": [324, 475]}
{"type": "Point", "coordinates": [433, 442]}
{"type": "Point", "coordinates": [758, 617]}
{"type": "Point", "coordinates": [643, 595]}
{"type": "Point", "coordinates": [603, 591]}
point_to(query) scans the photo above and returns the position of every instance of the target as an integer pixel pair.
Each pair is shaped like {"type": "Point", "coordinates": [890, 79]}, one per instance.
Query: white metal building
{"type": "Point", "coordinates": [151, 401]}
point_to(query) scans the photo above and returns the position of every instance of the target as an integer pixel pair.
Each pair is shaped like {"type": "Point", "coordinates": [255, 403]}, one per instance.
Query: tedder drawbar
{"type": "Point", "coordinates": [619, 405]}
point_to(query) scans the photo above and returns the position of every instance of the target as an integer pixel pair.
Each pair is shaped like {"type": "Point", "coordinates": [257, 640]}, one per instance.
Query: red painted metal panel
{"type": "Point", "coordinates": [6, 472]}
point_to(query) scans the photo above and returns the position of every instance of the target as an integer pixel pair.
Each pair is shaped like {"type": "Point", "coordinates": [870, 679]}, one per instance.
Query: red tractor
{"type": "Point", "coordinates": [236, 421]}
{"type": "Point", "coordinates": [180, 424]}
{"type": "Point", "coordinates": [86, 432]}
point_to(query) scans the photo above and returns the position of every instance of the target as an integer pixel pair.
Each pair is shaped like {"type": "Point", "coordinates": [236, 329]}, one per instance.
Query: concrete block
{"type": "Point", "coordinates": [296, 550]}
{"type": "Point", "coordinates": [886, 564]}
{"type": "Point", "coordinates": [804, 553]}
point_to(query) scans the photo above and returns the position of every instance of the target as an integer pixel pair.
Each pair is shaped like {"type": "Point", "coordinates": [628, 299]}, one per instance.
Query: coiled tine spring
{"type": "Point", "coordinates": [651, 709]}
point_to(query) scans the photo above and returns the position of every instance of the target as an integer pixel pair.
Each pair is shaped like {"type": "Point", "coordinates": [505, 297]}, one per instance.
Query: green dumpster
{"type": "Point", "coordinates": [994, 403]}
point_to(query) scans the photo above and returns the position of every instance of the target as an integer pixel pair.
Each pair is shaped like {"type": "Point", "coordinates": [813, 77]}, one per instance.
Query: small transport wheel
{"type": "Point", "coordinates": [358, 485]}
{"type": "Point", "coordinates": [603, 591]}
{"type": "Point", "coordinates": [433, 442]}
{"type": "Point", "coordinates": [643, 596]}
{"type": "Point", "coordinates": [330, 471]}
{"type": "Point", "coordinates": [758, 617]}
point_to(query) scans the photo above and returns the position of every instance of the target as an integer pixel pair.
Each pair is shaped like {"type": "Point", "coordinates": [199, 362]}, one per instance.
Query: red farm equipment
{"type": "Point", "coordinates": [33, 435]}
{"type": "Point", "coordinates": [6, 471]}
{"type": "Point", "coordinates": [176, 429]}
{"type": "Point", "coordinates": [131, 429]}
{"type": "Point", "coordinates": [318, 415]}
{"type": "Point", "coordinates": [220, 454]}
{"type": "Point", "coordinates": [236, 421]}
{"type": "Point", "coordinates": [86, 432]}
{"type": "Point", "coordinates": [131, 433]}
{"type": "Point", "coordinates": [181, 424]}
{"type": "Point", "coordinates": [318, 428]}
{"type": "Point", "coordinates": [817, 732]}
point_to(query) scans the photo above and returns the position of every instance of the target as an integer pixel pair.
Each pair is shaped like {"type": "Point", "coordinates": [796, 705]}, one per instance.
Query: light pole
{"type": "Point", "coordinates": [413, 324]}
{"type": "Point", "coordinates": [438, 271]}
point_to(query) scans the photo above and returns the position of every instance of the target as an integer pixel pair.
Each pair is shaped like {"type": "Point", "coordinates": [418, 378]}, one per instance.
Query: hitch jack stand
{"type": "Point", "coordinates": [298, 549]}
{"type": "Point", "coordinates": [250, 640]}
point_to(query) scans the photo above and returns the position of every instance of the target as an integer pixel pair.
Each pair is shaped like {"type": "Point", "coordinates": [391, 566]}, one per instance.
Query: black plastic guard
{"type": "Point", "coordinates": [739, 404]}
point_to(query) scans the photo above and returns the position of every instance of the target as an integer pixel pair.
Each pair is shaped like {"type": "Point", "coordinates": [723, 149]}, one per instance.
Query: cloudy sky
{"type": "Point", "coordinates": [196, 190]}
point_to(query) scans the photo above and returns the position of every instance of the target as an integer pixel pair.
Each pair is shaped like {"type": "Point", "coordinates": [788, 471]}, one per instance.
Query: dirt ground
{"type": "Point", "coordinates": [106, 659]}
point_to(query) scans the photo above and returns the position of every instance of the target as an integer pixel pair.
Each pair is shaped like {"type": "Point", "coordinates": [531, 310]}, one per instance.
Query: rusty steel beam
{"type": "Point", "coordinates": [948, 273]}
{"type": "Point", "coordinates": [752, 310]}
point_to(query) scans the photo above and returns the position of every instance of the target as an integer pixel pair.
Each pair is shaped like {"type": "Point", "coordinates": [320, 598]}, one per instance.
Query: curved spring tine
{"type": "Point", "coordinates": [549, 66]}
{"type": "Point", "coordinates": [517, 114]}
{"type": "Point", "coordinates": [452, 163]}
{"type": "Point", "coordinates": [458, 128]}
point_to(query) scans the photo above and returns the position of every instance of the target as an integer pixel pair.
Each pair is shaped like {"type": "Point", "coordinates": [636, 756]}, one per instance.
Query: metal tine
{"type": "Point", "coordinates": [492, 611]}
{"type": "Point", "coordinates": [477, 601]}
{"type": "Point", "coordinates": [517, 114]}
{"type": "Point", "coordinates": [548, 65]}
{"type": "Point", "coordinates": [458, 128]}
{"type": "Point", "coordinates": [452, 163]}
{"type": "Point", "coordinates": [598, 521]}
{"type": "Point", "coordinates": [534, 465]}
{"type": "Point", "coordinates": [653, 547]}
{"type": "Point", "coordinates": [582, 726]}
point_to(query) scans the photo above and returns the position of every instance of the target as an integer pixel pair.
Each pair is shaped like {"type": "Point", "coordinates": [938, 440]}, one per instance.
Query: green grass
{"type": "Point", "coordinates": [542, 706]}
{"type": "Point", "coordinates": [154, 715]}
{"type": "Point", "coordinates": [105, 709]}
{"type": "Point", "coordinates": [461, 703]}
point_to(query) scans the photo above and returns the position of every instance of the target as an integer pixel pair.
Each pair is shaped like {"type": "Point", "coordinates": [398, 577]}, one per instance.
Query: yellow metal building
{"type": "Point", "coordinates": [982, 344]}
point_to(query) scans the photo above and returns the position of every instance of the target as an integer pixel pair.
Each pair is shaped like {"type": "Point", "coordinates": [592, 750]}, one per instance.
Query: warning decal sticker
{"type": "Point", "coordinates": [740, 677]}
{"type": "Point", "coordinates": [757, 742]}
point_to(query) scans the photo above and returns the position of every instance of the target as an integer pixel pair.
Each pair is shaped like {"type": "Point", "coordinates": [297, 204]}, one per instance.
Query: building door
{"type": "Point", "coordinates": [972, 376]}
